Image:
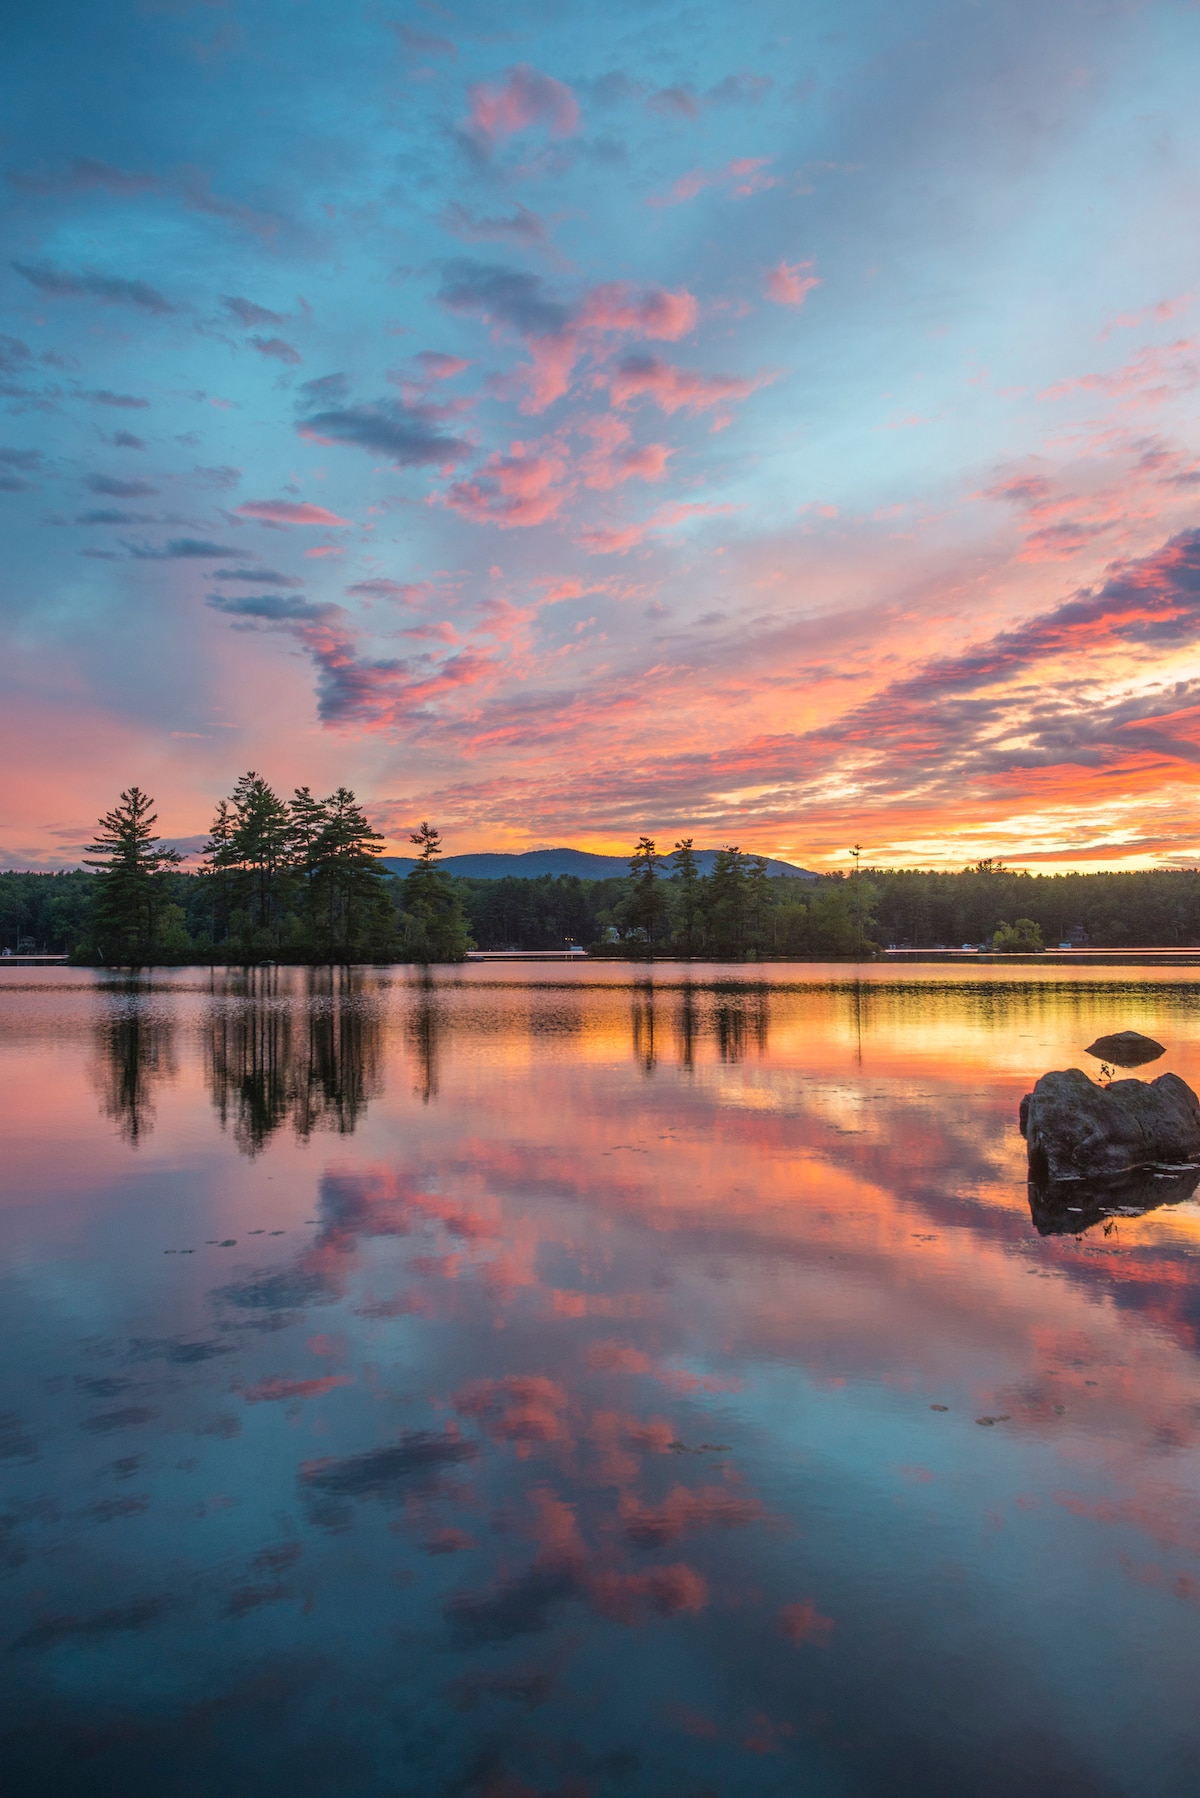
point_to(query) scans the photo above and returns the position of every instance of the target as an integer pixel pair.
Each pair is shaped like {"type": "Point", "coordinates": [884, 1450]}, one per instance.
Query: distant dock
{"type": "Point", "coordinates": [526, 955]}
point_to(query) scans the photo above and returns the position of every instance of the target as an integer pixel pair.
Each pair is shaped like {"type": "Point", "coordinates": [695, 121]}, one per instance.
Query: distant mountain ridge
{"type": "Point", "coordinates": [530, 863]}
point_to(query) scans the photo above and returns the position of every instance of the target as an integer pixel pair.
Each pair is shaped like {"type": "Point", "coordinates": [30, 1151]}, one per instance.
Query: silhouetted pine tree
{"type": "Point", "coordinates": [347, 893]}
{"type": "Point", "coordinates": [435, 924]}
{"type": "Point", "coordinates": [645, 907]}
{"type": "Point", "coordinates": [130, 888]}
{"type": "Point", "coordinates": [726, 903]}
{"type": "Point", "coordinates": [685, 878]}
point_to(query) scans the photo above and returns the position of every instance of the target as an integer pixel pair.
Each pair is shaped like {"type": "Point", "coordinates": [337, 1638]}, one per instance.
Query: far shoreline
{"type": "Point", "coordinates": [894, 959]}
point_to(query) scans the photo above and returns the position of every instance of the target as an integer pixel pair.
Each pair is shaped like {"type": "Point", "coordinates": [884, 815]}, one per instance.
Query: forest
{"type": "Point", "coordinates": [292, 880]}
{"type": "Point", "coordinates": [300, 880]}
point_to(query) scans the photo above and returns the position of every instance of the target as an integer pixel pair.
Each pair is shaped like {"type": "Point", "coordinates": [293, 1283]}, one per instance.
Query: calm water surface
{"type": "Point", "coordinates": [561, 1381]}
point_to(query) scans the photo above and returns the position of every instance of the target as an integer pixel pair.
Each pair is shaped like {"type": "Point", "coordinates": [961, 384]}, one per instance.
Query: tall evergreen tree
{"type": "Point", "coordinates": [685, 877]}
{"type": "Point", "coordinates": [130, 888]}
{"type": "Point", "coordinates": [345, 884]}
{"type": "Point", "coordinates": [645, 906]}
{"type": "Point", "coordinates": [262, 843]}
{"type": "Point", "coordinates": [308, 816]}
{"type": "Point", "coordinates": [726, 898]}
{"type": "Point", "coordinates": [435, 923]}
{"type": "Point", "coordinates": [217, 873]}
{"type": "Point", "coordinates": [758, 902]}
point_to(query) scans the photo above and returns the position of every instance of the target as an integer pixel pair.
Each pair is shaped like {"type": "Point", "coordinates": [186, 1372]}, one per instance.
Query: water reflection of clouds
{"type": "Point", "coordinates": [586, 1406]}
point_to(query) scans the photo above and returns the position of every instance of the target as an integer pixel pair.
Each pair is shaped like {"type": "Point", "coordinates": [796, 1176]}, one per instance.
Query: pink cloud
{"type": "Point", "coordinates": [437, 366]}
{"type": "Point", "coordinates": [605, 541]}
{"type": "Point", "coordinates": [552, 363]}
{"type": "Point", "coordinates": [1158, 315]}
{"type": "Point", "coordinates": [653, 312]}
{"type": "Point", "coordinates": [640, 462]}
{"type": "Point", "coordinates": [275, 1387]}
{"type": "Point", "coordinates": [740, 178]}
{"type": "Point", "coordinates": [284, 511]}
{"type": "Point", "coordinates": [673, 389]}
{"type": "Point", "coordinates": [525, 97]}
{"type": "Point", "coordinates": [557, 332]}
{"type": "Point", "coordinates": [433, 633]}
{"type": "Point", "coordinates": [789, 283]}
{"type": "Point", "coordinates": [514, 490]}
{"type": "Point", "coordinates": [1156, 374]}
{"type": "Point", "coordinates": [615, 459]}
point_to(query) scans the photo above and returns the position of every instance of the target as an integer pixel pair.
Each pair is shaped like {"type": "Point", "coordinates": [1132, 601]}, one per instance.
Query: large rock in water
{"type": "Point", "coordinates": [1077, 1130]}
{"type": "Point", "coordinates": [1126, 1049]}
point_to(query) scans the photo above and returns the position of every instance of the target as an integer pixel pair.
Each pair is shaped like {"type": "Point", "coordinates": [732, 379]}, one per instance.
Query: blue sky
{"type": "Point", "coordinates": [566, 422]}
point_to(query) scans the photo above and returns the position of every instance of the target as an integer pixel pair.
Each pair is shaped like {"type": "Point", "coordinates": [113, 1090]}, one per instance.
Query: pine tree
{"type": "Point", "coordinates": [261, 849]}
{"type": "Point", "coordinates": [345, 884]}
{"type": "Point", "coordinates": [435, 924]}
{"type": "Point", "coordinates": [685, 877]}
{"type": "Point", "coordinates": [758, 900]}
{"type": "Point", "coordinates": [308, 816]}
{"type": "Point", "coordinates": [131, 880]}
{"type": "Point", "coordinates": [249, 857]}
{"type": "Point", "coordinates": [645, 906]}
{"type": "Point", "coordinates": [218, 860]}
{"type": "Point", "coordinates": [726, 902]}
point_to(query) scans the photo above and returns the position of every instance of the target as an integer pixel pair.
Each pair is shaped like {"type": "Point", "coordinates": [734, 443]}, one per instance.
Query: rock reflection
{"type": "Point", "coordinates": [270, 1061]}
{"type": "Point", "coordinates": [135, 1053]}
{"type": "Point", "coordinates": [1069, 1207]}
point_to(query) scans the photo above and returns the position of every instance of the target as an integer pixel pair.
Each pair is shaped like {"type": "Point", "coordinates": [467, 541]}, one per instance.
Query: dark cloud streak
{"type": "Point", "coordinates": [90, 283]}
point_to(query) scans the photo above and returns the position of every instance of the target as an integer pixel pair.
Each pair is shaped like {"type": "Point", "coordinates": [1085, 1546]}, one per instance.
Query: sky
{"type": "Point", "coordinates": [775, 425]}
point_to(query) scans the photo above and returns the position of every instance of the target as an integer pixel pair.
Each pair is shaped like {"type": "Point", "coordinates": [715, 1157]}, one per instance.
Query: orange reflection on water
{"type": "Point", "coordinates": [660, 1303]}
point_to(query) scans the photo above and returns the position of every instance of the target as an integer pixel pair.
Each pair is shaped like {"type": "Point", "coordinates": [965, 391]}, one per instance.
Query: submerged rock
{"type": "Point", "coordinates": [1126, 1049]}
{"type": "Point", "coordinates": [1069, 1207]}
{"type": "Point", "coordinates": [1077, 1130]}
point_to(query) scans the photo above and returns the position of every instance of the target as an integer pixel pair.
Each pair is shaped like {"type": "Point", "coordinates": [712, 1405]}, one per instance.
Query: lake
{"type": "Point", "coordinates": [535, 1380]}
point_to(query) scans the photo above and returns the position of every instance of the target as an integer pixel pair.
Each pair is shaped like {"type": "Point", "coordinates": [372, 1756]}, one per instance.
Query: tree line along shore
{"type": "Point", "coordinates": [299, 880]}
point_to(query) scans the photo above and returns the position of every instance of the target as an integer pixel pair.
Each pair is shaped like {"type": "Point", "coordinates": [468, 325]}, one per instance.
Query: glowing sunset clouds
{"type": "Point", "coordinates": [727, 429]}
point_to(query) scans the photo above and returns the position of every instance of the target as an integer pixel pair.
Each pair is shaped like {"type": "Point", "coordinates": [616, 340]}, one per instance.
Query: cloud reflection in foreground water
{"type": "Point", "coordinates": [606, 1383]}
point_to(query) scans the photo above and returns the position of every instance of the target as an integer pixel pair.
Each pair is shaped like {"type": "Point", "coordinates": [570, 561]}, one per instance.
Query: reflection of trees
{"type": "Point", "coordinates": [281, 1052]}
{"type": "Point", "coordinates": [424, 1032]}
{"type": "Point", "coordinates": [642, 1017]}
{"type": "Point", "coordinates": [687, 1026]}
{"type": "Point", "coordinates": [735, 1015]}
{"type": "Point", "coordinates": [135, 1046]}
{"type": "Point", "coordinates": [741, 1017]}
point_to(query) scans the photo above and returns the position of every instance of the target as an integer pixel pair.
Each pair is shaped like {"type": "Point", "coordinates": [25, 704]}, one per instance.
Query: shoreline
{"type": "Point", "coordinates": [893, 958]}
